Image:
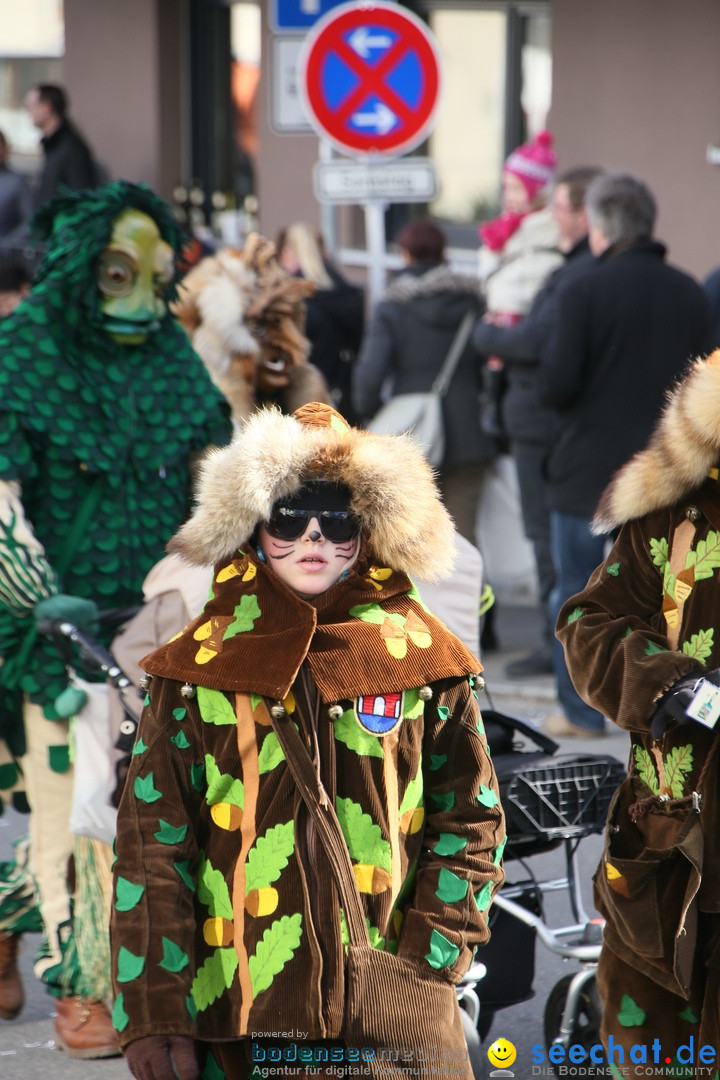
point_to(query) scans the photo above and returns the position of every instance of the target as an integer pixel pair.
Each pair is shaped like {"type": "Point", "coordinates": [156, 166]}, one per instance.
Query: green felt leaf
{"type": "Point", "coordinates": [499, 851]}
{"type": "Point", "coordinates": [211, 1069]}
{"type": "Point", "coordinates": [170, 834]}
{"type": "Point", "coordinates": [630, 1013]}
{"type": "Point", "coordinates": [449, 844]}
{"type": "Point", "coordinates": [145, 789]}
{"type": "Point", "coordinates": [140, 747]}
{"type": "Point", "coordinates": [450, 887]}
{"type": "Point", "coordinates": [371, 613]}
{"type": "Point", "coordinates": [443, 712]}
{"type": "Point", "coordinates": [180, 740]}
{"type": "Point", "coordinates": [574, 615]}
{"type": "Point", "coordinates": [652, 648]}
{"type": "Point", "coordinates": [129, 965]}
{"type": "Point", "coordinates": [214, 977]}
{"type": "Point", "coordinates": [700, 645]}
{"type": "Point", "coordinates": [348, 732]}
{"type": "Point", "coordinates": [191, 1008]}
{"type": "Point", "coordinates": [483, 897]}
{"type": "Point", "coordinates": [487, 797]}
{"type": "Point", "coordinates": [437, 761]}
{"type": "Point", "coordinates": [179, 713]}
{"type": "Point", "coordinates": [705, 557]}
{"type": "Point", "coordinates": [197, 776]}
{"type": "Point", "coordinates": [363, 837]}
{"type": "Point", "coordinates": [214, 707]}
{"type": "Point", "coordinates": [273, 952]}
{"type": "Point", "coordinates": [174, 958]}
{"type": "Point", "coordinates": [678, 764]}
{"type": "Point", "coordinates": [269, 856]}
{"type": "Point", "coordinates": [213, 891]}
{"type": "Point", "coordinates": [120, 1018]}
{"type": "Point", "coordinates": [222, 787]}
{"type": "Point", "coordinates": [182, 869]}
{"type": "Point", "coordinates": [646, 769]}
{"type": "Point", "coordinates": [376, 939]}
{"type": "Point", "coordinates": [414, 706]}
{"type": "Point", "coordinates": [413, 796]}
{"type": "Point", "coordinates": [688, 1015]}
{"type": "Point", "coordinates": [271, 753]}
{"type": "Point", "coordinates": [613, 569]}
{"type": "Point", "coordinates": [659, 552]}
{"type": "Point", "coordinates": [246, 613]}
{"type": "Point", "coordinates": [443, 801]}
{"type": "Point", "coordinates": [127, 894]}
{"type": "Point", "coordinates": [442, 952]}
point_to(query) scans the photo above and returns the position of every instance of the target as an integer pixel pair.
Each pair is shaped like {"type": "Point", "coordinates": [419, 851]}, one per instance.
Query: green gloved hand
{"type": "Point", "coordinates": [73, 609]}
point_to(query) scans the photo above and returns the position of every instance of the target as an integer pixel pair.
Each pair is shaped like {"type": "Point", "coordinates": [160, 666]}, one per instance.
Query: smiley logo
{"type": "Point", "coordinates": [502, 1053]}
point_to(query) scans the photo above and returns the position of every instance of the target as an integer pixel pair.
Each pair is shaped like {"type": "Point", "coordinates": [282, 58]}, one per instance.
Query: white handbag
{"type": "Point", "coordinates": [420, 414]}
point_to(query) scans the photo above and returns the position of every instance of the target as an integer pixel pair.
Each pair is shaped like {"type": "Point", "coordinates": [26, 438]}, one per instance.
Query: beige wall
{"type": "Point", "coordinates": [636, 86]}
{"type": "Point", "coordinates": [124, 64]}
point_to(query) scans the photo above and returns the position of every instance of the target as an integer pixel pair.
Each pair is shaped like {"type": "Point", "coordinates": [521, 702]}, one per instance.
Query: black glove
{"type": "Point", "coordinates": [163, 1057]}
{"type": "Point", "coordinates": [672, 706]}
{"type": "Point", "coordinates": [66, 608]}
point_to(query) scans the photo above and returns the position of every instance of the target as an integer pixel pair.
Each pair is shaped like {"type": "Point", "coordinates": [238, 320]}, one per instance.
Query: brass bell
{"type": "Point", "coordinates": [335, 712]}
{"type": "Point", "coordinates": [145, 682]}
{"type": "Point", "coordinates": [425, 693]}
{"type": "Point", "coordinates": [187, 690]}
{"type": "Point", "coordinates": [479, 682]}
{"type": "Point", "coordinates": [278, 711]}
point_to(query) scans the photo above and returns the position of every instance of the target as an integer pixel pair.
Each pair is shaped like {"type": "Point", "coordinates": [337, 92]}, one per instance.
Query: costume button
{"type": "Point", "coordinates": [693, 514]}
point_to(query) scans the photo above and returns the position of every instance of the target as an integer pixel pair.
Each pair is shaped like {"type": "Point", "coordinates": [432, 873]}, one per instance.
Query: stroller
{"type": "Point", "coordinates": [551, 802]}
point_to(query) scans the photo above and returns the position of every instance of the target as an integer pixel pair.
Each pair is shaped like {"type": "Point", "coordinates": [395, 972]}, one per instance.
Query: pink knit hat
{"type": "Point", "coordinates": [534, 163]}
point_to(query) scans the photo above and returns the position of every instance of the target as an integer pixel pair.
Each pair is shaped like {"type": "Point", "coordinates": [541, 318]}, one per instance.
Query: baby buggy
{"type": "Point", "coordinates": [552, 802]}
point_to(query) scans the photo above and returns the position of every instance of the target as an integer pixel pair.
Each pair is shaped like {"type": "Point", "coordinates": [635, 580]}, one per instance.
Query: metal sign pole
{"type": "Point", "coordinates": [375, 240]}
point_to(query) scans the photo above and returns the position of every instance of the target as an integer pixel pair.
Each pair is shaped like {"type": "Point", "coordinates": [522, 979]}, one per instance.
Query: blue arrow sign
{"type": "Point", "coordinates": [296, 16]}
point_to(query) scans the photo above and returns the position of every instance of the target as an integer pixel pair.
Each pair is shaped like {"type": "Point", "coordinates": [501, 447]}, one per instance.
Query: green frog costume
{"type": "Point", "coordinates": [103, 407]}
{"type": "Point", "coordinates": [226, 920]}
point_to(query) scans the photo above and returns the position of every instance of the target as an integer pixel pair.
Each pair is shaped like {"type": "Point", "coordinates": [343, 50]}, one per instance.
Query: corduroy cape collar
{"type": "Point", "coordinates": [368, 634]}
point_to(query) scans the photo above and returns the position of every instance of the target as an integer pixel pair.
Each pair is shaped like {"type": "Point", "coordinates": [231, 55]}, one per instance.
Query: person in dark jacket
{"type": "Point", "coordinates": [623, 334]}
{"type": "Point", "coordinates": [406, 343]}
{"type": "Point", "coordinates": [528, 424]}
{"type": "Point", "coordinates": [335, 312]}
{"type": "Point", "coordinates": [68, 159]}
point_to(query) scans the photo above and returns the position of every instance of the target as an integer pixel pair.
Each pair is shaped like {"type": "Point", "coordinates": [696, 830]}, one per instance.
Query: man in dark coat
{"type": "Point", "coordinates": [528, 424]}
{"type": "Point", "coordinates": [68, 160]}
{"type": "Point", "coordinates": [623, 334]}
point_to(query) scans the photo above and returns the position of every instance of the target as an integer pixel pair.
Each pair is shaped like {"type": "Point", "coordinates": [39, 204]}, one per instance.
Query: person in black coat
{"type": "Point", "coordinates": [68, 159]}
{"type": "Point", "coordinates": [406, 342]}
{"type": "Point", "coordinates": [623, 334]}
{"type": "Point", "coordinates": [527, 423]}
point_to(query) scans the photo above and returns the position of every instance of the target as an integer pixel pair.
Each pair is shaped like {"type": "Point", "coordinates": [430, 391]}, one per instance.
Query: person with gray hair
{"type": "Point", "coordinates": [624, 332]}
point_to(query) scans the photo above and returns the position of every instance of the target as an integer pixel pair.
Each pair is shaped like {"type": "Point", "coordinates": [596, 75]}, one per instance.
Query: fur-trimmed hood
{"type": "Point", "coordinates": [418, 283]}
{"type": "Point", "coordinates": [393, 491]}
{"type": "Point", "coordinates": [683, 447]}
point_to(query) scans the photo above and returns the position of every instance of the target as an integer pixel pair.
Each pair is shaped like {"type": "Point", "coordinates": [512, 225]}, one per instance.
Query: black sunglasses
{"type": "Point", "coordinates": [337, 526]}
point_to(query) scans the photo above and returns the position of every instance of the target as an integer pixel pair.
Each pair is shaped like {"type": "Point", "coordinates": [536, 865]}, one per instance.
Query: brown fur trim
{"type": "Point", "coordinates": [393, 492]}
{"type": "Point", "coordinates": [683, 447]}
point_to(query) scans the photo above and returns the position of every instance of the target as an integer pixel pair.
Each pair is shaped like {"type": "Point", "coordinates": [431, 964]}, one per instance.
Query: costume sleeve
{"type": "Point", "coordinates": [564, 355]}
{"type": "Point", "coordinates": [25, 574]}
{"type": "Point", "coordinates": [613, 632]}
{"type": "Point", "coordinates": [152, 925]}
{"type": "Point", "coordinates": [460, 867]}
{"type": "Point", "coordinates": [374, 363]}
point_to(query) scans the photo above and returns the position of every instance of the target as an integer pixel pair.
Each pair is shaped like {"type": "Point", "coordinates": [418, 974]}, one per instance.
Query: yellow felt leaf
{"type": "Point", "coordinates": [682, 590]}
{"type": "Point", "coordinates": [217, 931]}
{"type": "Point", "coordinates": [412, 820]}
{"type": "Point", "coordinates": [671, 617]}
{"type": "Point", "coordinates": [379, 573]}
{"type": "Point", "coordinates": [226, 816]}
{"type": "Point", "coordinates": [420, 638]}
{"type": "Point", "coordinates": [397, 647]}
{"type": "Point", "coordinates": [204, 656]}
{"type": "Point", "coordinates": [259, 902]}
{"type": "Point", "coordinates": [250, 573]}
{"type": "Point", "coordinates": [203, 631]}
{"type": "Point", "coordinates": [228, 572]}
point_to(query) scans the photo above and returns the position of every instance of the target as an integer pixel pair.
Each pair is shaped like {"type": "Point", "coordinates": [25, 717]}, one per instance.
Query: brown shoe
{"type": "Point", "coordinates": [12, 996]}
{"type": "Point", "coordinates": [83, 1029]}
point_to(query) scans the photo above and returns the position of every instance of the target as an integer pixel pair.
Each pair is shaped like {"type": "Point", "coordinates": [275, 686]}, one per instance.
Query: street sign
{"type": "Point", "coordinates": [297, 16]}
{"type": "Point", "coordinates": [288, 114]}
{"type": "Point", "coordinates": [370, 77]}
{"type": "Point", "coordinates": [409, 180]}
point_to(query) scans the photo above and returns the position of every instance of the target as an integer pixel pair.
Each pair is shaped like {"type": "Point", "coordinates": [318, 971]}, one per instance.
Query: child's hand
{"type": "Point", "coordinates": [163, 1057]}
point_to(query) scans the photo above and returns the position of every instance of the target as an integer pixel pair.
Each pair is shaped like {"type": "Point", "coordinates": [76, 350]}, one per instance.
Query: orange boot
{"type": "Point", "coordinates": [12, 996]}
{"type": "Point", "coordinates": [83, 1029]}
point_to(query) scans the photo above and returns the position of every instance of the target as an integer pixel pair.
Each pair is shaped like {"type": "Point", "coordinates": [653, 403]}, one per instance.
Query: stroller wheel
{"type": "Point", "coordinates": [586, 1023]}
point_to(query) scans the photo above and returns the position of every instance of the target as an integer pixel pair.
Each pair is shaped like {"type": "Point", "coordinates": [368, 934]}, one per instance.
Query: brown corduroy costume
{"type": "Point", "coordinates": [649, 615]}
{"type": "Point", "coordinates": [226, 923]}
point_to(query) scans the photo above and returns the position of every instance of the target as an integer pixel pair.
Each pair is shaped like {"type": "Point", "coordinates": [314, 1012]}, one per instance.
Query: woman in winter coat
{"type": "Point", "coordinates": [408, 338]}
{"type": "Point", "coordinates": [642, 647]}
{"type": "Point", "coordinates": [227, 929]}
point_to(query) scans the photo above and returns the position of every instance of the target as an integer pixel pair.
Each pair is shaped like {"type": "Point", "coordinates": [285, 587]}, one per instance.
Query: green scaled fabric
{"type": "Point", "coordinates": [78, 408]}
